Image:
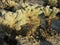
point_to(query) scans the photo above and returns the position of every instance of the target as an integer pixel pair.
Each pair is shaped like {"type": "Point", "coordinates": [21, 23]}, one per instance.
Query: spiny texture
{"type": "Point", "coordinates": [22, 17]}
{"type": "Point", "coordinates": [27, 18]}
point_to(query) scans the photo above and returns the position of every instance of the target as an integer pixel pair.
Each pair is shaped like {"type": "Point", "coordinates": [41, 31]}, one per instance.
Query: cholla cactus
{"type": "Point", "coordinates": [26, 20]}
{"type": "Point", "coordinates": [28, 16]}
{"type": "Point", "coordinates": [50, 15]}
{"type": "Point", "coordinates": [21, 17]}
{"type": "Point", "coordinates": [32, 14]}
{"type": "Point", "coordinates": [47, 11]}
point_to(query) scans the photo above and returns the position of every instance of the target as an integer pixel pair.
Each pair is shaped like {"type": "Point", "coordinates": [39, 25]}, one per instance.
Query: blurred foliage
{"type": "Point", "coordinates": [53, 2]}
